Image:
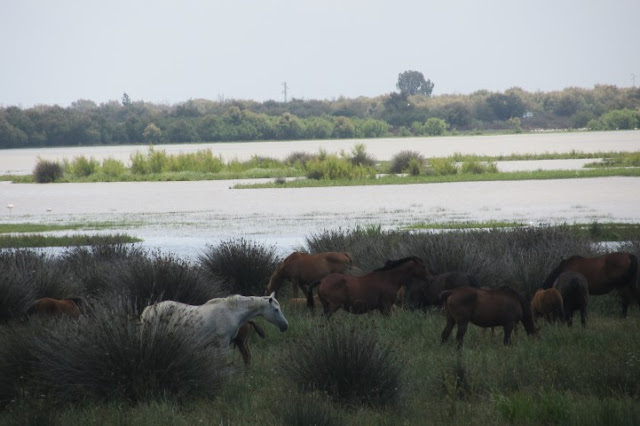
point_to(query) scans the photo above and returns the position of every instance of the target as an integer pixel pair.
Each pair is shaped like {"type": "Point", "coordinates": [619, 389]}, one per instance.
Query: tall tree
{"type": "Point", "coordinates": [413, 83]}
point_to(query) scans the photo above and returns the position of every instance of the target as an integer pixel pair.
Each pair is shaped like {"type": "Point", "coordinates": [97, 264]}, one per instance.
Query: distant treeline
{"type": "Point", "coordinates": [201, 120]}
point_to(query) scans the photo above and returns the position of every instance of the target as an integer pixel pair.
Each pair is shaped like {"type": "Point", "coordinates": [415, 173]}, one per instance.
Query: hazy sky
{"type": "Point", "coordinates": [170, 51]}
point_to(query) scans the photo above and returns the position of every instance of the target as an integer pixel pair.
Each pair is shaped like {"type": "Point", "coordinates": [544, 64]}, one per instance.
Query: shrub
{"type": "Point", "coordinates": [82, 166]}
{"type": "Point", "coordinates": [113, 168]}
{"type": "Point", "coordinates": [359, 156]}
{"type": "Point", "coordinates": [478, 167]}
{"type": "Point", "coordinates": [441, 167]}
{"type": "Point", "coordinates": [299, 158]}
{"type": "Point", "coordinates": [400, 162]}
{"type": "Point", "coordinates": [351, 366]}
{"type": "Point", "coordinates": [47, 171]}
{"type": "Point", "coordinates": [332, 167]}
{"type": "Point", "coordinates": [16, 291]}
{"type": "Point", "coordinates": [107, 356]}
{"type": "Point", "coordinates": [240, 266]}
{"type": "Point", "coordinates": [620, 119]}
{"type": "Point", "coordinates": [149, 280]}
{"type": "Point", "coordinates": [435, 126]}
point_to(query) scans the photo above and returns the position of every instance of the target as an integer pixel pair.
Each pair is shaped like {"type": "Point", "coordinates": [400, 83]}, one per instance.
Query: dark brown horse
{"type": "Point", "coordinates": [48, 307]}
{"type": "Point", "coordinates": [302, 269]}
{"type": "Point", "coordinates": [547, 303]}
{"type": "Point", "coordinates": [574, 289]}
{"type": "Point", "coordinates": [427, 294]}
{"type": "Point", "coordinates": [502, 306]}
{"type": "Point", "coordinates": [241, 341]}
{"type": "Point", "coordinates": [613, 271]}
{"type": "Point", "coordinates": [375, 290]}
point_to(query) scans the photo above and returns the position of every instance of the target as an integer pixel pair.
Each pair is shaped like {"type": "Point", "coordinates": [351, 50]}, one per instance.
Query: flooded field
{"type": "Point", "coordinates": [184, 217]}
{"type": "Point", "coordinates": [22, 161]}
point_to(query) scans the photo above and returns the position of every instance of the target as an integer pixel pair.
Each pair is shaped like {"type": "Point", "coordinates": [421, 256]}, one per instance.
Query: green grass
{"type": "Point", "coordinates": [6, 228]}
{"type": "Point", "coordinates": [595, 231]}
{"type": "Point", "coordinates": [568, 376]}
{"type": "Point", "coordinates": [400, 180]}
{"type": "Point", "coordinates": [35, 240]}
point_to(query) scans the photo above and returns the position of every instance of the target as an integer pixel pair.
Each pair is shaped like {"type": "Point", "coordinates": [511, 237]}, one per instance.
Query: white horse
{"type": "Point", "coordinates": [217, 319]}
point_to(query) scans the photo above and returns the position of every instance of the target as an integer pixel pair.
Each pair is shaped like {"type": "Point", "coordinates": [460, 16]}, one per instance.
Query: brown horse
{"type": "Point", "coordinates": [547, 303]}
{"type": "Point", "coordinates": [427, 294]}
{"type": "Point", "coordinates": [613, 271]}
{"type": "Point", "coordinates": [302, 269]}
{"type": "Point", "coordinates": [502, 306]}
{"type": "Point", "coordinates": [241, 341]}
{"type": "Point", "coordinates": [375, 290]}
{"type": "Point", "coordinates": [48, 307]}
{"type": "Point", "coordinates": [574, 289]}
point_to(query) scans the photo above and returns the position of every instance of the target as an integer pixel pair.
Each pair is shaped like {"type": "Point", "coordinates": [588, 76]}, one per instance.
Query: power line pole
{"type": "Point", "coordinates": [284, 85]}
{"type": "Point", "coordinates": [633, 80]}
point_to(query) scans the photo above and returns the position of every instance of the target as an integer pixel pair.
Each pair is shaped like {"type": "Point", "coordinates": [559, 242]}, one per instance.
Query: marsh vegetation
{"type": "Point", "coordinates": [101, 369]}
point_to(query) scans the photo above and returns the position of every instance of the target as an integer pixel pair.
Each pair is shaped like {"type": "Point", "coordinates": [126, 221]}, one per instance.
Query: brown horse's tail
{"type": "Point", "coordinates": [444, 296]}
{"type": "Point", "coordinates": [257, 328]}
{"type": "Point", "coordinates": [310, 301]}
{"type": "Point", "coordinates": [276, 277]}
{"type": "Point", "coordinates": [630, 276]}
{"type": "Point", "coordinates": [527, 314]}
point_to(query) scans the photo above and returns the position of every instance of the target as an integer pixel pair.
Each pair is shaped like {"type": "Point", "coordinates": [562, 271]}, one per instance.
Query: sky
{"type": "Point", "coordinates": [171, 51]}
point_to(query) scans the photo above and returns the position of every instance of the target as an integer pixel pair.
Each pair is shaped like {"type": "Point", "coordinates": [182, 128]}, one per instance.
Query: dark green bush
{"type": "Point", "coordinates": [240, 266]}
{"type": "Point", "coordinates": [107, 357]}
{"type": "Point", "coordinates": [351, 365]}
{"type": "Point", "coordinates": [401, 161]}
{"type": "Point", "coordinates": [47, 171]}
{"type": "Point", "coordinates": [147, 280]}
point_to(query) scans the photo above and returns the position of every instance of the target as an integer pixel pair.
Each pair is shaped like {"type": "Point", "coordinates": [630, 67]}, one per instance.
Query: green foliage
{"type": "Point", "coordinates": [113, 168]}
{"type": "Point", "coordinates": [352, 366]}
{"type": "Point", "coordinates": [477, 167]}
{"type": "Point", "coordinates": [109, 357]}
{"type": "Point", "coordinates": [359, 156]}
{"type": "Point", "coordinates": [239, 265]}
{"type": "Point", "coordinates": [407, 161]}
{"type": "Point", "coordinates": [441, 167]}
{"type": "Point", "coordinates": [413, 83]}
{"type": "Point", "coordinates": [623, 119]}
{"type": "Point", "coordinates": [333, 167]}
{"type": "Point", "coordinates": [47, 171]}
{"type": "Point", "coordinates": [435, 126]}
{"type": "Point", "coordinates": [82, 166]}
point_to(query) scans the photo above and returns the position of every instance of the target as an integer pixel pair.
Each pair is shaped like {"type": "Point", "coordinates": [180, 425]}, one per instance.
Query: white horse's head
{"type": "Point", "coordinates": [273, 313]}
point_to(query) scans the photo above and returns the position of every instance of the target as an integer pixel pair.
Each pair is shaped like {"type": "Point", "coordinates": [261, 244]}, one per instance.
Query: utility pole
{"type": "Point", "coordinates": [633, 80]}
{"type": "Point", "coordinates": [284, 85]}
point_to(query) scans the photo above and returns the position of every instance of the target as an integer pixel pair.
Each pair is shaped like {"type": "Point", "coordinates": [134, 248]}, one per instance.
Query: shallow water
{"type": "Point", "coordinates": [184, 217]}
{"type": "Point", "coordinates": [22, 161]}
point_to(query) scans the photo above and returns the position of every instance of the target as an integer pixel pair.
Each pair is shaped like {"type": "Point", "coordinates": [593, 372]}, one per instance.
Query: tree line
{"type": "Point", "coordinates": [411, 111]}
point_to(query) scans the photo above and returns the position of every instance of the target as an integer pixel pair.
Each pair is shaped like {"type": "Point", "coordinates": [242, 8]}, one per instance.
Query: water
{"type": "Point", "coordinates": [183, 218]}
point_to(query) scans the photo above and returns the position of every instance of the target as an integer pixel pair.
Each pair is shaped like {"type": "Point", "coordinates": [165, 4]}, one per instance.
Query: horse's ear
{"type": "Point", "coordinates": [272, 296]}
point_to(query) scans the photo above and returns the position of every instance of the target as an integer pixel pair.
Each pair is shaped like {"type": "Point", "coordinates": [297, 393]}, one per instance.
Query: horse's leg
{"type": "Point", "coordinates": [570, 317]}
{"type": "Point", "coordinates": [294, 287]}
{"type": "Point", "coordinates": [583, 316]}
{"type": "Point", "coordinates": [508, 328]}
{"type": "Point", "coordinates": [447, 330]}
{"type": "Point", "coordinates": [462, 329]}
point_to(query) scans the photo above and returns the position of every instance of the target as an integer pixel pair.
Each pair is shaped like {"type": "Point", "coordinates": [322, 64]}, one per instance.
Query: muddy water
{"type": "Point", "coordinates": [184, 217]}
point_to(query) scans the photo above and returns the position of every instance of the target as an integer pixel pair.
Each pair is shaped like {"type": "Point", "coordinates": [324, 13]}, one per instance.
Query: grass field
{"type": "Point", "coordinates": [353, 369]}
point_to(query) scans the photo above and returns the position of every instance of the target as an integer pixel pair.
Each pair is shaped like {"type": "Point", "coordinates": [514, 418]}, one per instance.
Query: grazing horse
{"type": "Point", "coordinates": [56, 307]}
{"type": "Point", "coordinates": [502, 306]}
{"type": "Point", "coordinates": [427, 294]}
{"type": "Point", "coordinates": [613, 271]}
{"type": "Point", "coordinates": [302, 269]}
{"type": "Point", "coordinates": [547, 303]}
{"type": "Point", "coordinates": [217, 319]}
{"type": "Point", "coordinates": [574, 289]}
{"type": "Point", "coordinates": [375, 290]}
{"type": "Point", "coordinates": [241, 341]}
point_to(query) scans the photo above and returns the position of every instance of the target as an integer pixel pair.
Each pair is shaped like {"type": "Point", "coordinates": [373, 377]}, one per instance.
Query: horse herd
{"type": "Point", "coordinates": [406, 282]}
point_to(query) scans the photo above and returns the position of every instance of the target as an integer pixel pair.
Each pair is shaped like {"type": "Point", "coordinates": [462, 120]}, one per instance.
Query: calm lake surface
{"type": "Point", "coordinates": [183, 218]}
